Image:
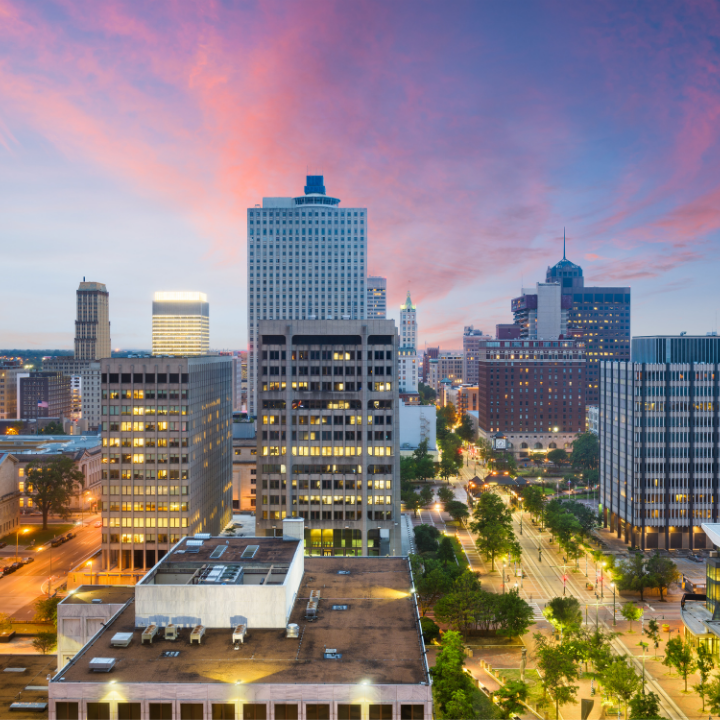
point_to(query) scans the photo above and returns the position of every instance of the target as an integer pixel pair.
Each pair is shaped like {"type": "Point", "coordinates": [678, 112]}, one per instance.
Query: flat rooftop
{"type": "Point", "coordinates": [374, 630]}
{"type": "Point", "coordinates": [108, 594]}
{"type": "Point", "coordinates": [22, 678]}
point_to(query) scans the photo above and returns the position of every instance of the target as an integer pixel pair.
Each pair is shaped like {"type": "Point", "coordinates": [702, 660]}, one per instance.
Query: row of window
{"type": "Point", "coordinates": [289, 213]}
{"type": "Point", "coordinates": [329, 500]}
{"type": "Point", "coordinates": [145, 394]}
{"type": "Point", "coordinates": [127, 426]}
{"type": "Point", "coordinates": [142, 458]}
{"type": "Point", "coordinates": [136, 473]}
{"type": "Point", "coordinates": [304, 386]}
{"type": "Point", "coordinates": [150, 522]}
{"type": "Point", "coordinates": [149, 378]}
{"type": "Point", "coordinates": [327, 419]}
{"type": "Point", "coordinates": [325, 370]}
{"type": "Point", "coordinates": [141, 538]}
{"type": "Point", "coordinates": [69, 710]}
{"type": "Point", "coordinates": [333, 450]}
{"type": "Point", "coordinates": [337, 435]}
{"type": "Point", "coordinates": [173, 442]}
{"type": "Point", "coordinates": [145, 410]}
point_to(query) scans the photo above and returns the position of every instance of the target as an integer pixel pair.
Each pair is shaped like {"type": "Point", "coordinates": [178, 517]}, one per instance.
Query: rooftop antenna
{"type": "Point", "coordinates": [564, 258]}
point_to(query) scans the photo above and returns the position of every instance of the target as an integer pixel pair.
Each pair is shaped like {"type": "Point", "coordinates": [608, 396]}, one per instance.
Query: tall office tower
{"type": "Point", "coordinates": [533, 392]}
{"type": "Point", "coordinates": [85, 377]}
{"type": "Point", "coordinates": [9, 370]}
{"type": "Point", "coordinates": [600, 316]}
{"type": "Point", "coordinates": [376, 298]}
{"type": "Point", "coordinates": [43, 394]}
{"type": "Point", "coordinates": [328, 427]}
{"type": "Point", "coordinates": [167, 454]}
{"type": "Point", "coordinates": [306, 260]}
{"type": "Point", "coordinates": [658, 433]}
{"type": "Point", "coordinates": [92, 327]}
{"type": "Point", "coordinates": [181, 324]}
{"type": "Point", "coordinates": [541, 312]}
{"type": "Point", "coordinates": [471, 353]}
{"type": "Point", "coordinates": [409, 364]}
{"type": "Point", "coordinates": [428, 355]}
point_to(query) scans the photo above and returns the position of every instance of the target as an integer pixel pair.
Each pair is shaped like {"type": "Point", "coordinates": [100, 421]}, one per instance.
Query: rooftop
{"type": "Point", "coordinates": [20, 677]}
{"type": "Point", "coordinates": [373, 629]}
{"type": "Point", "coordinates": [108, 594]}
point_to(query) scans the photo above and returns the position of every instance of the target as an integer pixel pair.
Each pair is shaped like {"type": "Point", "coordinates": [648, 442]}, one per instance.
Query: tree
{"type": "Point", "coordinates": [424, 463]}
{"type": "Point", "coordinates": [52, 484]}
{"type": "Point", "coordinates": [620, 680]}
{"type": "Point", "coordinates": [426, 537]}
{"type": "Point", "coordinates": [679, 655]}
{"type": "Point", "coordinates": [466, 431]}
{"type": "Point", "coordinates": [557, 456]}
{"type": "Point", "coordinates": [457, 510]}
{"type": "Point", "coordinates": [46, 609]}
{"type": "Point", "coordinates": [713, 694]}
{"type": "Point", "coordinates": [44, 642]}
{"type": "Point", "coordinates": [653, 632]}
{"type": "Point", "coordinates": [704, 663]}
{"type": "Point", "coordinates": [633, 574]}
{"type": "Point", "coordinates": [645, 707]}
{"type": "Point", "coordinates": [533, 499]}
{"type": "Point", "coordinates": [664, 572]}
{"type": "Point", "coordinates": [448, 674]}
{"type": "Point", "coordinates": [493, 525]}
{"type": "Point", "coordinates": [512, 615]}
{"type": "Point", "coordinates": [564, 613]}
{"type": "Point", "coordinates": [446, 551]}
{"type": "Point", "coordinates": [459, 607]}
{"type": "Point", "coordinates": [460, 706]}
{"type": "Point", "coordinates": [537, 458]}
{"type": "Point", "coordinates": [586, 452]}
{"type": "Point", "coordinates": [449, 415]}
{"type": "Point", "coordinates": [5, 623]}
{"type": "Point", "coordinates": [427, 394]}
{"type": "Point", "coordinates": [445, 495]}
{"type": "Point", "coordinates": [407, 469]}
{"type": "Point", "coordinates": [510, 697]}
{"type": "Point", "coordinates": [430, 629]}
{"type": "Point", "coordinates": [52, 428]}
{"type": "Point", "coordinates": [451, 455]}
{"type": "Point", "coordinates": [586, 517]}
{"type": "Point", "coordinates": [631, 612]}
{"type": "Point", "coordinates": [447, 467]}
{"type": "Point", "coordinates": [417, 500]}
{"type": "Point", "coordinates": [431, 583]}
{"type": "Point", "coordinates": [559, 669]}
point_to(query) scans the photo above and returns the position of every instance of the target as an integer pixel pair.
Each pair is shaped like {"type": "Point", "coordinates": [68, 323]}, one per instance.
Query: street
{"type": "Point", "coordinates": [20, 589]}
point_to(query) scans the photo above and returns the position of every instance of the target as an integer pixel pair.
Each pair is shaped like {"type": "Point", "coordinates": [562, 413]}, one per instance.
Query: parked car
{"type": "Point", "coordinates": [98, 524]}
{"type": "Point", "coordinates": [28, 560]}
{"type": "Point", "coordinates": [3, 544]}
{"type": "Point", "coordinates": [70, 536]}
{"type": "Point", "coordinates": [7, 570]}
{"type": "Point", "coordinates": [57, 541]}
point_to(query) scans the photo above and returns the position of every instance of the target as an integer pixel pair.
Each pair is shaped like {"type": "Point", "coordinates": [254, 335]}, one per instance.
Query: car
{"type": "Point", "coordinates": [3, 544]}
{"type": "Point", "coordinates": [6, 570]}
{"type": "Point", "coordinates": [98, 524]}
{"type": "Point", "coordinates": [70, 536]}
{"type": "Point", "coordinates": [27, 560]}
{"type": "Point", "coordinates": [57, 541]}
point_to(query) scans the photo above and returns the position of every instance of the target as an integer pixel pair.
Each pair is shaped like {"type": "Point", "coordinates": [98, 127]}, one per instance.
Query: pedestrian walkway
{"type": "Point", "coordinates": [537, 612]}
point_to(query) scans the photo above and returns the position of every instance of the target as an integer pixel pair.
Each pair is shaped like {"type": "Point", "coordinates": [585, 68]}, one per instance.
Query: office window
{"type": "Point", "coordinates": [67, 711]}
{"type": "Point", "coordinates": [412, 712]}
{"type": "Point", "coordinates": [286, 712]}
{"type": "Point", "coordinates": [255, 711]}
{"type": "Point", "coordinates": [224, 711]}
{"type": "Point", "coordinates": [191, 711]}
{"type": "Point", "coordinates": [98, 711]}
{"type": "Point", "coordinates": [317, 712]}
{"type": "Point", "coordinates": [129, 711]}
{"type": "Point", "coordinates": [349, 712]}
{"type": "Point", "coordinates": [161, 711]}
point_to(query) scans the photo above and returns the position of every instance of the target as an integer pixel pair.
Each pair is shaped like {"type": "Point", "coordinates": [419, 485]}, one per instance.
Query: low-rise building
{"type": "Point", "coordinates": [250, 628]}
{"type": "Point", "coordinates": [9, 494]}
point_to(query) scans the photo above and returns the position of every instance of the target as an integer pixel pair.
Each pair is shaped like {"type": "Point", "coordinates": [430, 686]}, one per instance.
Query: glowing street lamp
{"type": "Point", "coordinates": [17, 541]}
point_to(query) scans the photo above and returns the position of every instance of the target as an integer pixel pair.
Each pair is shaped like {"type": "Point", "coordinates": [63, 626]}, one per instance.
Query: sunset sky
{"type": "Point", "coordinates": [133, 136]}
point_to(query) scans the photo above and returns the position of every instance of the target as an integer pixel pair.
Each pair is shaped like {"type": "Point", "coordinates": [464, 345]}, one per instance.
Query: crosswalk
{"type": "Point", "coordinates": [537, 612]}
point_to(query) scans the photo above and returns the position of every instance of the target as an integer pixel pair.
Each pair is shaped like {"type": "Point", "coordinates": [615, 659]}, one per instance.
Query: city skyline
{"type": "Point", "coordinates": [609, 133]}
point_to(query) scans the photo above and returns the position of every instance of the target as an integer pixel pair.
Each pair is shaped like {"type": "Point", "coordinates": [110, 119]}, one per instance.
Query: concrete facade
{"type": "Point", "coordinates": [244, 466]}
{"type": "Point", "coordinates": [376, 298]}
{"type": "Point", "coordinates": [417, 423]}
{"type": "Point", "coordinates": [9, 494]}
{"type": "Point", "coordinates": [88, 373]}
{"type": "Point", "coordinates": [92, 324]}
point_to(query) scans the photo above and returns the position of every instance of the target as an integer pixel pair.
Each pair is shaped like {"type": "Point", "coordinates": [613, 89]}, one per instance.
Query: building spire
{"type": "Point", "coordinates": [564, 258]}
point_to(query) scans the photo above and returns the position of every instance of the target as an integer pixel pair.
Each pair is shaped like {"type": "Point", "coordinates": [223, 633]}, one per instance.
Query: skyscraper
{"type": "Point", "coordinates": [471, 354]}
{"type": "Point", "coordinates": [167, 454]}
{"type": "Point", "coordinates": [328, 425]}
{"type": "Point", "coordinates": [181, 324]}
{"type": "Point", "coordinates": [658, 434]}
{"type": "Point", "coordinates": [306, 260]}
{"type": "Point", "coordinates": [376, 298]}
{"type": "Point", "coordinates": [407, 352]}
{"type": "Point", "coordinates": [92, 326]}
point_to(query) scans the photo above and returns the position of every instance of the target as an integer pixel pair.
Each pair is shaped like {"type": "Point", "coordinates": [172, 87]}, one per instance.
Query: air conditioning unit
{"type": "Point", "coordinates": [121, 639]}
{"type": "Point", "coordinates": [100, 664]}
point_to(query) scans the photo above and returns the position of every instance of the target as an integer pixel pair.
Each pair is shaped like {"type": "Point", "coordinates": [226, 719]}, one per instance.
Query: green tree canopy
{"type": "Point", "coordinates": [559, 670]}
{"type": "Point", "coordinates": [446, 551]}
{"type": "Point", "coordinates": [679, 655]}
{"type": "Point", "coordinates": [426, 537]}
{"type": "Point", "coordinates": [631, 612]}
{"type": "Point", "coordinates": [510, 697]}
{"type": "Point", "coordinates": [445, 495]}
{"type": "Point", "coordinates": [586, 452]}
{"type": "Point", "coordinates": [448, 674]}
{"type": "Point", "coordinates": [492, 523]}
{"type": "Point", "coordinates": [620, 680]}
{"type": "Point", "coordinates": [466, 431]}
{"type": "Point", "coordinates": [46, 609]}
{"type": "Point", "coordinates": [633, 574]}
{"type": "Point", "coordinates": [645, 707]}
{"type": "Point", "coordinates": [424, 462]}
{"type": "Point", "coordinates": [557, 456]}
{"type": "Point", "coordinates": [431, 581]}
{"type": "Point", "coordinates": [533, 499]}
{"type": "Point", "coordinates": [564, 613]}
{"type": "Point", "coordinates": [52, 484]}
{"type": "Point", "coordinates": [704, 663]}
{"type": "Point", "coordinates": [457, 510]}
{"type": "Point", "coordinates": [414, 500]}
{"type": "Point", "coordinates": [664, 572]}
{"type": "Point", "coordinates": [52, 428]}
{"type": "Point", "coordinates": [427, 394]}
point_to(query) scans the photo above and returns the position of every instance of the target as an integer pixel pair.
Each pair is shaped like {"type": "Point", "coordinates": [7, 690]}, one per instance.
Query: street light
{"type": "Point", "coordinates": [17, 541]}
{"type": "Point", "coordinates": [612, 585]}
{"type": "Point", "coordinates": [89, 562]}
{"type": "Point", "coordinates": [602, 581]}
{"type": "Point", "coordinates": [504, 565]}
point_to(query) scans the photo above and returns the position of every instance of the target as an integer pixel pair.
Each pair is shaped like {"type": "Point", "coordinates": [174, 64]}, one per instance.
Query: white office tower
{"type": "Point", "coordinates": [306, 261]}
{"type": "Point", "coordinates": [181, 324]}
{"type": "Point", "coordinates": [408, 355]}
{"type": "Point", "coordinates": [376, 298]}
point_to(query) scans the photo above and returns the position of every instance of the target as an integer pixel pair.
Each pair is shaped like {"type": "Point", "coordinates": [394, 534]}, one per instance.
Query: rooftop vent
{"type": "Point", "coordinates": [249, 552]}
{"type": "Point", "coordinates": [193, 543]}
{"type": "Point", "coordinates": [332, 654]}
{"type": "Point", "coordinates": [121, 639]}
{"type": "Point", "coordinates": [201, 536]}
{"type": "Point", "coordinates": [97, 601]}
{"type": "Point", "coordinates": [179, 552]}
{"type": "Point", "coordinates": [343, 572]}
{"type": "Point", "coordinates": [194, 550]}
{"type": "Point", "coordinates": [14, 670]}
{"type": "Point", "coordinates": [169, 653]}
{"type": "Point", "coordinates": [218, 551]}
{"type": "Point", "coordinates": [340, 607]}
{"type": "Point", "coordinates": [292, 630]}
{"type": "Point", "coordinates": [29, 706]}
{"type": "Point", "coordinates": [102, 664]}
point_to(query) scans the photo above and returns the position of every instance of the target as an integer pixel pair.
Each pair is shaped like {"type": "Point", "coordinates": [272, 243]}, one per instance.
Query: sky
{"type": "Point", "coordinates": [134, 136]}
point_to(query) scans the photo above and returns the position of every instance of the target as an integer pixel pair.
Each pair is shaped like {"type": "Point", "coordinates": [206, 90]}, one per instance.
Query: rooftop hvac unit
{"type": "Point", "coordinates": [194, 543]}
{"type": "Point", "coordinates": [96, 601]}
{"type": "Point", "coordinates": [201, 536]}
{"type": "Point", "coordinates": [197, 633]}
{"type": "Point", "coordinates": [121, 639]}
{"type": "Point", "coordinates": [292, 631]}
{"type": "Point", "coordinates": [239, 633]}
{"type": "Point", "coordinates": [148, 634]}
{"type": "Point", "coordinates": [102, 664]}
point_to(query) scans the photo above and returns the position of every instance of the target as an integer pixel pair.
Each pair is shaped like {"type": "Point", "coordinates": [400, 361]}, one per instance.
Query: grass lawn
{"type": "Point", "coordinates": [459, 553]}
{"type": "Point", "coordinates": [36, 533]}
{"type": "Point", "coordinates": [534, 683]}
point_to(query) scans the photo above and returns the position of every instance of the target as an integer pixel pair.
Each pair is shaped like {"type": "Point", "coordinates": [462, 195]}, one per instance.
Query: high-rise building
{"type": "Point", "coordinates": [600, 316]}
{"type": "Point", "coordinates": [167, 454]}
{"type": "Point", "coordinates": [9, 370]}
{"type": "Point", "coordinates": [471, 353]}
{"type": "Point", "coordinates": [409, 362]}
{"type": "Point", "coordinates": [92, 326]}
{"type": "Point", "coordinates": [84, 379]}
{"type": "Point", "coordinates": [376, 298]}
{"type": "Point", "coordinates": [306, 260]}
{"type": "Point", "coordinates": [327, 449]}
{"type": "Point", "coordinates": [658, 428]}
{"type": "Point", "coordinates": [532, 392]}
{"type": "Point", "coordinates": [428, 355]}
{"type": "Point", "coordinates": [43, 394]}
{"type": "Point", "coordinates": [181, 324]}
{"type": "Point", "coordinates": [541, 312]}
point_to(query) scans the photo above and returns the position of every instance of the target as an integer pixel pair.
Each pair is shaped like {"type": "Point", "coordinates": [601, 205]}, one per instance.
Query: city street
{"type": "Point", "coordinates": [20, 589]}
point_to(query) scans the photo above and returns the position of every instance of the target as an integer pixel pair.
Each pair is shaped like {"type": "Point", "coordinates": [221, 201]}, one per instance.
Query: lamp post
{"type": "Point", "coordinates": [17, 542]}
{"type": "Point", "coordinates": [542, 506]}
{"type": "Point", "coordinates": [503, 576]}
{"type": "Point", "coordinates": [602, 581]}
{"type": "Point", "coordinates": [612, 585]}
{"type": "Point", "coordinates": [90, 562]}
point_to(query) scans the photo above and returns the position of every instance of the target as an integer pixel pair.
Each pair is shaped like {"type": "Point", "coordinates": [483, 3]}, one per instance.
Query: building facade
{"type": "Point", "coordinates": [428, 355]}
{"type": "Point", "coordinates": [408, 361]}
{"type": "Point", "coordinates": [471, 353]}
{"type": "Point", "coordinates": [9, 494]}
{"type": "Point", "coordinates": [43, 394]}
{"type": "Point", "coordinates": [328, 434]}
{"type": "Point", "coordinates": [541, 312]}
{"type": "Point", "coordinates": [306, 260]}
{"type": "Point", "coordinates": [167, 454]}
{"type": "Point", "coordinates": [8, 388]}
{"type": "Point", "coordinates": [658, 426]}
{"type": "Point", "coordinates": [85, 380]}
{"type": "Point", "coordinates": [180, 324]}
{"type": "Point", "coordinates": [376, 298]}
{"type": "Point", "coordinates": [92, 326]}
{"type": "Point", "coordinates": [244, 467]}
{"type": "Point", "coordinates": [533, 392]}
